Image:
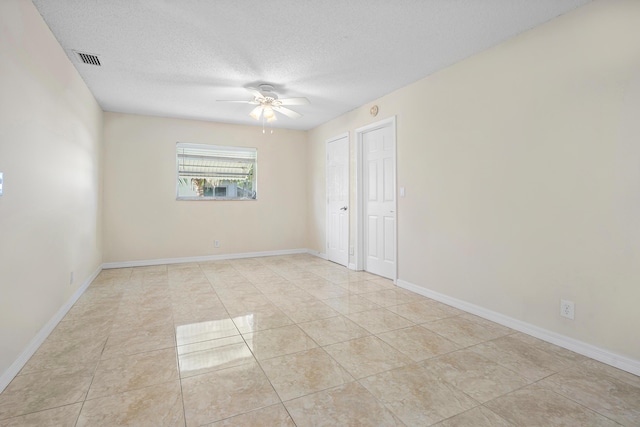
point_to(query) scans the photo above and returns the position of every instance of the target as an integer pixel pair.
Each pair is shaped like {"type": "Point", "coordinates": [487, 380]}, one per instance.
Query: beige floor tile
{"type": "Point", "coordinates": [205, 331]}
{"type": "Point", "coordinates": [362, 287]}
{"type": "Point", "coordinates": [308, 311]}
{"type": "Point", "coordinates": [188, 313]}
{"type": "Point", "coordinates": [207, 356]}
{"type": "Point", "coordinates": [462, 331]}
{"type": "Point", "coordinates": [182, 292]}
{"type": "Point", "coordinates": [133, 341]}
{"type": "Point", "coordinates": [292, 297]}
{"type": "Point", "coordinates": [418, 343]}
{"type": "Point", "coordinates": [338, 276]}
{"type": "Point", "coordinates": [350, 304]}
{"type": "Point", "coordinates": [120, 374]}
{"type": "Point", "coordinates": [279, 286]}
{"type": "Point", "coordinates": [380, 320]}
{"type": "Point", "coordinates": [149, 301]}
{"type": "Point", "coordinates": [200, 288]}
{"type": "Point", "coordinates": [97, 327]}
{"type": "Point", "coordinates": [239, 290]}
{"type": "Point", "coordinates": [476, 417]}
{"type": "Point", "coordinates": [45, 390]}
{"type": "Point", "coordinates": [315, 283]}
{"type": "Point", "coordinates": [267, 317]}
{"type": "Point", "coordinates": [560, 353]}
{"type": "Point", "coordinates": [64, 416]}
{"type": "Point", "coordinates": [477, 376]}
{"type": "Point", "coordinates": [225, 393]}
{"type": "Point", "coordinates": [65, 354]}
{"type": "Point", "coordinates": [424, 311]}
{"type": "Point", "coordinates": [328, 291]}
{"type": "Point", "coordinates": [530, 362]}
{"type": "Point", "coordinates": [256, 305]}
{"type": "Point", "coordinates": [278, 342]}
{"type": "Point", "coordinates": [597, 368]}
{"type": "Point", "coordinates": [367, 356]}
{"type": "Point", "coordinates": [600, 392]}
{"type": "Point", "coordinates": [493, 326]}
{"type": "Point", "coordinates": [425, 363]}
{"type": "Point", "coordinates": [88, 311]}
{"type": "Point", "coordinates": [298, 374]}
{"type": "Point", "coordinates": [272, 416]}
{"type": "Point", "coordinates": [260, 281]}
{"type": "Point", "coordinates": [134, 318]}
{"type": "Point", "coordinates": [360, 276]}
{"type": "Point", "coordinates": [387, 283]}
{"type": "Point", "coordinates": [536, 406]}
{"type": "Point", "coordinates": [346, 405]}
{"type": "Point", "coordinates": [390, 297]}
{"type": "Point", "coordinates": [155, 406]}
{"type": "Point", "coordinates": [415, 397]}
{"type": "Point", "coordinates": [333, 330]}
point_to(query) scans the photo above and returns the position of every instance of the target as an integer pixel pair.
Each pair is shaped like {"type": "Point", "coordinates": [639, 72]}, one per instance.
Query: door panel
{"type": "Point", "coordinates": [338, 200]}
{"type": "Point", "coordinates": [373, 182]}
{"type": "Point", "coordinates": [379, 208]}
{"type": "Point", "coordinates": [389, 235]}
{"type": "Point", "coordinates": [373, 237]}
{"type": "Point", "coordinates": [389, 180]}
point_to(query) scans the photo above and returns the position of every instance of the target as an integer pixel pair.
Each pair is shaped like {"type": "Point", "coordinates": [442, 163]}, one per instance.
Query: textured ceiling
{"type": "Point", "coordinates": [175, 58]}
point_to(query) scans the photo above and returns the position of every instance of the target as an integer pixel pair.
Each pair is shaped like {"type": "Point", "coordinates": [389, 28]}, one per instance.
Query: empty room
{"type": "Point", "coordinates": [362, 213]}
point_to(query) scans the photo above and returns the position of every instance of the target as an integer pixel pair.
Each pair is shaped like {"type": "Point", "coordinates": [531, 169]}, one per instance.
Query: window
{"type": "Point", "coordinates": [213, 172]}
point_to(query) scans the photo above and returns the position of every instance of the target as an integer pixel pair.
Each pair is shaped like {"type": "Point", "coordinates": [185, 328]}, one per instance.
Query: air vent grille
{"type": "Point", "coordinates": [88, 58]}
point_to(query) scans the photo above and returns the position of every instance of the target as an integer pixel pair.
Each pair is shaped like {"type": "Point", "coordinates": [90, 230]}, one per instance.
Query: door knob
{"type": "Point", "coordinates": [344, 208]}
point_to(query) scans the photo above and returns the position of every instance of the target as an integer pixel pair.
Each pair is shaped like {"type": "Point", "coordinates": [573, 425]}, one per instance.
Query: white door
{"type": "Point", "coordinates": [338, 199]}
{"type": "Point", "coordinates": [379, 188]}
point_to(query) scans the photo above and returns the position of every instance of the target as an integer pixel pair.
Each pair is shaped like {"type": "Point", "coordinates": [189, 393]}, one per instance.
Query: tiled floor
{"type": "Point", "coordinates": [295, 340]}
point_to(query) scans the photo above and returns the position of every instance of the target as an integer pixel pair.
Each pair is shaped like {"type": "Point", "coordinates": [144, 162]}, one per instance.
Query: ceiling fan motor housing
{"type": "Point", "coordinates": [267, 93]}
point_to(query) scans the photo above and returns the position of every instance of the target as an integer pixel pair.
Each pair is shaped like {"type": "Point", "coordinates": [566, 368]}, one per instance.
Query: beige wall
{"type": "Point", "coordinates": [143, 220]}
{"type": "Point", "coordinates": [50, 153]}
{"type": "Point", "coordinates": [522, 176]}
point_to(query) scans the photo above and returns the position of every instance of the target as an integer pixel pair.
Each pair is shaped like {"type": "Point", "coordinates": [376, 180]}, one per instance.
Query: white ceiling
{"type": "Point", "coordinates": [175, 58]}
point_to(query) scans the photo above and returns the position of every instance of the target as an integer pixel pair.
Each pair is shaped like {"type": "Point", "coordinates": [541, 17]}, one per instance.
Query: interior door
{"type": "Point", "coordinates": [379, 179]}
{"type": "Point", "coordinates": [338, 200]}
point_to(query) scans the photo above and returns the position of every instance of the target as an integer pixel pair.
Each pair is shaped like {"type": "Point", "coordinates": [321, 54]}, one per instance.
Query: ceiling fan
{"type": "Point", "coordinates": [267, 103]}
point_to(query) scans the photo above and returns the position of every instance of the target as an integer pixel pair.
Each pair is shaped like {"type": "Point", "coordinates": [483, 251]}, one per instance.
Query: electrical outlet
{"type": "Point", "coordinates": [216, 243]}
{"type": "Point", "coordinates": [567, 309]}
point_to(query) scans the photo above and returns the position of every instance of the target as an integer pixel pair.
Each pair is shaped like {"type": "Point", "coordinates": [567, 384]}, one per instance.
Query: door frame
{"type": "Point", "coordinates": [326, 193]}
{"type": "Point", "coordinates": [359, 218]}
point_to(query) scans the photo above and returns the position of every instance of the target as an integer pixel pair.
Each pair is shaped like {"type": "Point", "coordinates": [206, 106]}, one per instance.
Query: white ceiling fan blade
{"type": "Point", "coordinates": [287, 112]}
{"type": "Point", "coordinates": [256, 112]}
{"type": "Point", "coordinates": [293, 101]}
{"type": "Point", "coordinates": [238, 101]}
{"type": "Point", "coordinates": [255, 92]}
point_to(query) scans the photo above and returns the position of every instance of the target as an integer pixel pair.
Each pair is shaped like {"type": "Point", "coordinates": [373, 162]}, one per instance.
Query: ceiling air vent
{"type": "Point", "coordinates": [88, 58]}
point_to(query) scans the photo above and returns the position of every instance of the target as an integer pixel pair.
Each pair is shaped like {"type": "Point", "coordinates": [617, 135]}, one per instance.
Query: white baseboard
{"type": "Point", "coordinates": [35, 343]}
{"type": "Point", "coordinates": [591, 351]}
{"type": "Point", "coordinates": [148, 262]}
{"type": "Point", "coordinates": [318, 254]}
{"type": "Point", "coordinates": [352, 266]}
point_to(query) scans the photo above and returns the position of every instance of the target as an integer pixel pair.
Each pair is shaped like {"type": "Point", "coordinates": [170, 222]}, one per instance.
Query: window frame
{"type": "Point", "coordinates": [251, 157]}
